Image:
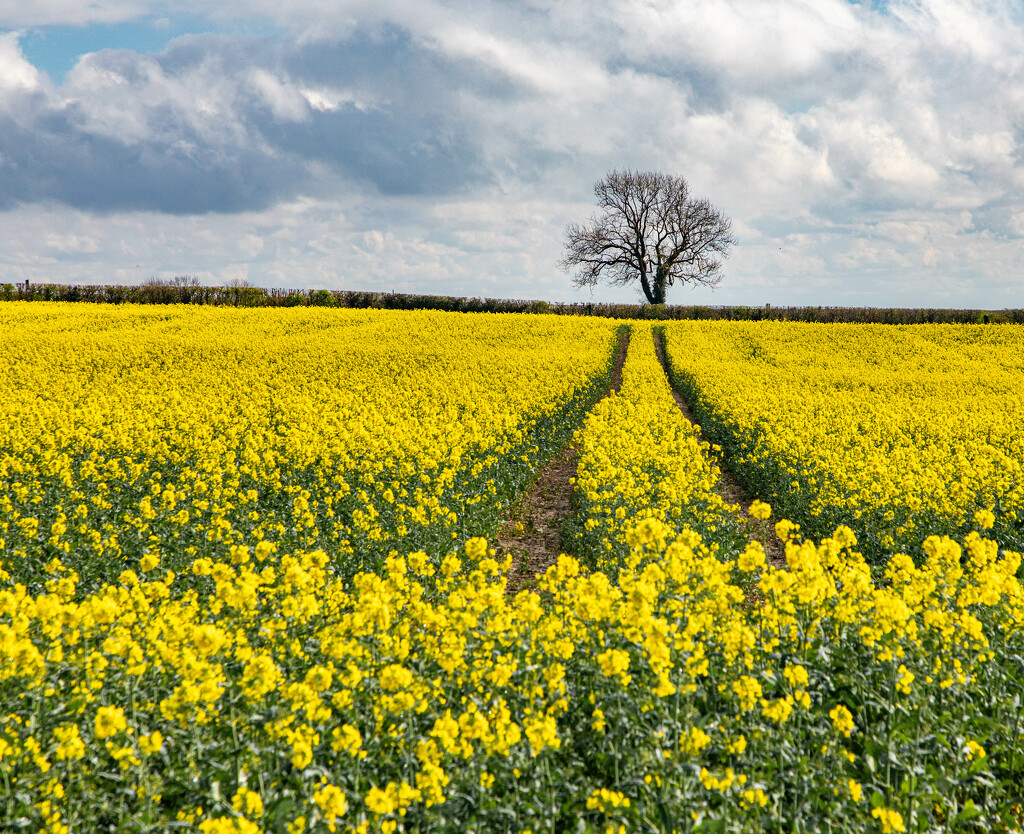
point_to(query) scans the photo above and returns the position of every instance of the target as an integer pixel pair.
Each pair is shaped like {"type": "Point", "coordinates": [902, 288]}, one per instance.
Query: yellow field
{"type": "Point", "coordinates": [899, 432]}
{"type": "Point", "coordinates": [136, 431]}
{"type": "Point", "coordinates": [246, 584]}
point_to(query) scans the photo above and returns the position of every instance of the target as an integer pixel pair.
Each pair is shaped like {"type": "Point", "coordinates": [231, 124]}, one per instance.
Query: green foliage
{"type": "Point", "coordinates": [170, 293]}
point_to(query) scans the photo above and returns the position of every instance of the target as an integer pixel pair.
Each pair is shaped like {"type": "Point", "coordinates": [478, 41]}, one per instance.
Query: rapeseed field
{"type": "Point", "coordinates": [898, 431]}
{"type": "Point", "coordinates": [246, 584]}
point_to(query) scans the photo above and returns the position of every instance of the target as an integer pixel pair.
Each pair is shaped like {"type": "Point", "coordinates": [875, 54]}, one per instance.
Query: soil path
{"type": "Point", "coordinates": [532, 531]}
{"type": "Point", "coordinates": [732, 490]}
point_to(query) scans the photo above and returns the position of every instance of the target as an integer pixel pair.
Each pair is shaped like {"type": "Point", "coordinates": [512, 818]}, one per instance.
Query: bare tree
{"type": "Point", "coordinates": [176, 281]}
{"type": "Point", "coordinates": [650, 230]}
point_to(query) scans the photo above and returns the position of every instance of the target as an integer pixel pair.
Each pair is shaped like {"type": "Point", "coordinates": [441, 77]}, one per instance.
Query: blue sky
{"type": "Point", "coordinates": [55, 49]}
{"type": "Point", "coordinates": [868, 154]}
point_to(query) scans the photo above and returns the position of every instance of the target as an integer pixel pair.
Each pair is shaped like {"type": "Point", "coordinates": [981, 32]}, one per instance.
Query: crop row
{"type": "Point", "coordinates": [641, 458]}
{"type": "Point", "coordinates": [825, 698]}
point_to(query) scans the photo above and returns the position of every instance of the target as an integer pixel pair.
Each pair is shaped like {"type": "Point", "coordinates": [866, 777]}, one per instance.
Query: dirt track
{"type": "Point", "coordinates": [532, 532]}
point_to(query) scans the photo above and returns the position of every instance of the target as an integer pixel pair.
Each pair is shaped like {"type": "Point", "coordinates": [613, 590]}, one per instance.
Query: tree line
{"type": "Point", "coordinates": [168, 293]}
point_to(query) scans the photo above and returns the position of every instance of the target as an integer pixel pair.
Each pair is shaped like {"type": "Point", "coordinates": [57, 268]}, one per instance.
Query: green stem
{"type": "Point", "coordinates": [7, 789]}
{"type": "Point", "coordinates": [234, 741]}
{"type": "Point", "coordinates": [913, 778]}
{"type": "Point", "coordinates": [547, 787]}
{"type": "Point", "coordinates": [888, 729]}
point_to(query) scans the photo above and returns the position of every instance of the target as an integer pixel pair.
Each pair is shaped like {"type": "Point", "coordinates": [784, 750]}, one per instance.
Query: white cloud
{"type": "Point", "coordinates": [250, 245]}
{"type": "Point", "coordinates": [987, 32]}
{"type": "Point", "coordinates": [131, 98]}
{"type": "Point", "coordinates": [758, 42]}
{"type": "Point", "coordinates": [21, 84]}
{"type": "Point", "coordinates": [285, 101]}
{"type": "Point", "coordinates": [72, 243]}
{"type": "Point", "coordinates": [555, 69]}
{"type": "Point", "coordinates": [16, 73]}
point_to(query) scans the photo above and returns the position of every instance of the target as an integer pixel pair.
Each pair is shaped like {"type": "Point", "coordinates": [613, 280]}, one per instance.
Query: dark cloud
{"type": "Point", "coordinates": [400, 154]}
{"type": "Point", "coordinates": [52, 160]}
{"type": "Point", "coordinates": [257, 148]}
{"type": "Point", "coordinates": [405, 132]}
{"type": "Point", "coordinates": [389, 61]}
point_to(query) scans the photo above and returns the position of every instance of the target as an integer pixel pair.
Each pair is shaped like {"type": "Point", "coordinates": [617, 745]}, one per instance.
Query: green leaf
{"type": "Point", "coordinates": [969, 812]}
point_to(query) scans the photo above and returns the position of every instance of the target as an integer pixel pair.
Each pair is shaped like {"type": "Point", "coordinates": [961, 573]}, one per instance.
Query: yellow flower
{"type": "Point", "coordinates": [752, 557]}
{"type": "Point", "coordinates": [603, 799]}
{"type": "Point", "coordinates": [615, 662]}
{"type": "Point", "coordinates": [476, 548]}
{"type": "Point", "coordinates": [152, 743]}
{"type": "Point", "coordinates": [346, 739]}
{"type": "Point", "coordinates": [693, 741]}
{"type": "Point", "coordinates": [71, 745]}
{"type": "Point", "coordinates": [260, 676]}
{"type": "Point", "coordinates": [208, 639]}
{"type": "Point", "coordinates": [394, 677]}
{"type": "Point", "coordinates": [247, 802]}
{"type": "Point", "coordinates": [796, 675]}
{"type": "Point", "coordinates": [786, 529]}
{"type": "Point", "coordinates": [777, 711]}
{"type": "Point", "coordinates": [889, 819]}
{"type": "Point", "coordinates": [332, 802]}
{"type": "Point", "coordinates": [748, 690]}
{"type": "Point", "coordinates": [754, 797]}
{"type": "Point", "coordinates": [760, 510]}
{"type": "Point", "coordinates": [904, 679]}
{"type": "Point", "coordinates": [984, 519]}
{"type": "Point", "coordinates": [541, 732]}
{"type": "Point", "coordinates": [318, 678]}
{"type": "Point", "coordinates": [856, 792]}
{"type": "Point", "coordinates": [109, 721]}
{"type": "Point", "coordinates": [228, 825]}
{"type": "Point", "coordinates": [379, 802]}
{"type": "Point", "coordinates": [842, 719]}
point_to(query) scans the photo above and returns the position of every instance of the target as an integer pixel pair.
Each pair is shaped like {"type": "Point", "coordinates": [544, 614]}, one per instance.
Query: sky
{"type": "Point", "coordinates": [868, 154]}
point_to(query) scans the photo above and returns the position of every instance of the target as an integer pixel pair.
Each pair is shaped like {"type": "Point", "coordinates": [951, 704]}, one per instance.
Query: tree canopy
{"type": "Point", "coordinates": [651, 231]}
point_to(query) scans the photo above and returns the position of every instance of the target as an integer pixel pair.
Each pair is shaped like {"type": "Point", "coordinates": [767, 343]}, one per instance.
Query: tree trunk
{"type": "Point", "coordinates": [660, 283]}
{"type": "Point", "coordinates": [646, 286]}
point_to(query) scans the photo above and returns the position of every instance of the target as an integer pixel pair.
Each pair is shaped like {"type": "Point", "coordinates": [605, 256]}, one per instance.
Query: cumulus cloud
{"type": "Point", "coordinates": [221, 124]}
{"type": "Point", "coordinates": [848, 141]}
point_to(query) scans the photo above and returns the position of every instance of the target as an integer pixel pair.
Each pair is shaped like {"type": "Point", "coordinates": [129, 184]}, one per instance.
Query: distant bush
{"type": "Point", "coordinates": [187, 290]}
{"type": "Point", "coordinates": [322, 298]}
